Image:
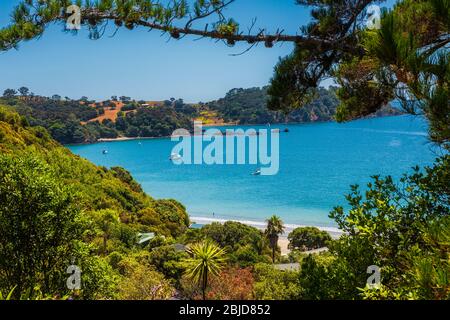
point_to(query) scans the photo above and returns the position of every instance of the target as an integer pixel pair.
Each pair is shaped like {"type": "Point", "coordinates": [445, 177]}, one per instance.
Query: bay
{"type": "Point", "coordinates": [318, 163]}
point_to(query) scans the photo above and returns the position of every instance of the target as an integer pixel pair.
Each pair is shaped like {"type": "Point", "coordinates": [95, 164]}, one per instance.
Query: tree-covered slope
{"type": "Point", "coordinates": [73, 121]}
{"type": "Point", "coordinates": [249, 106]}
{"type": "Point", "coordinates": [102, 188]}
{"type": "Point", "coordinates": [48, 179]}
{"type": "Point", "coordinates": [81, 121]}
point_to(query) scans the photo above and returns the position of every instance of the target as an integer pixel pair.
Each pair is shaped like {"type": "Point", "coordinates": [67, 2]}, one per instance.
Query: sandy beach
{"type": "Point", "coordinates": [283, 241]}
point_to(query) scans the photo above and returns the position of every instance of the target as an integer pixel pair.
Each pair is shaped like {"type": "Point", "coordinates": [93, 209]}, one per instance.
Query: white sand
{"type": "Point", "coordinates": [283, 242]}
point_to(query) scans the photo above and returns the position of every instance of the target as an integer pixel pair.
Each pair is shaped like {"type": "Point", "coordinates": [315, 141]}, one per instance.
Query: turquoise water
{"type": "Point", "coordinates": [318, 163]}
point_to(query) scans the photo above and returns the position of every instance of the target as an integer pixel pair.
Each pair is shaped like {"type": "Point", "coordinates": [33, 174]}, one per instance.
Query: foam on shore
{"type": "Point", "coordinates": [334, 232]}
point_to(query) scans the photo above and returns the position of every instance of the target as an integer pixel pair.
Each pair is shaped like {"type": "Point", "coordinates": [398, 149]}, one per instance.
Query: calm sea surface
{"type": "Point", "coordinates": [318, 163]}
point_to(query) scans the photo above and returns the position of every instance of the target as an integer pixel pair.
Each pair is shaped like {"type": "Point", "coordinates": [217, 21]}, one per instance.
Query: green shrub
{"type": "Point", "coordinates": [308, 238]}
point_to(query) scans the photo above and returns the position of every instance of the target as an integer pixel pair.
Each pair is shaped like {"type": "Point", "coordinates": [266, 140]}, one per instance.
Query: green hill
{"type": "Point", "coordinates": [74, 121]}
{"type": "Point", "coordinates": [249, 106]}
{"type": "Point", "coordinates": [111, 204]}
{"type": "Point", "coordinates": [66, 120]}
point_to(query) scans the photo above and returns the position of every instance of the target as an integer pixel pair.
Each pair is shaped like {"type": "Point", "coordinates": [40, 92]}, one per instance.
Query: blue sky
{"type": "Point", "coordinates": [145, 65]}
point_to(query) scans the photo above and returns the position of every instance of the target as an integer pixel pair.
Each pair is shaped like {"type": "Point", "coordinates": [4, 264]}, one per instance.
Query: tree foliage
{"type": "Point", "coordinates": [206, 261]}
{"type": "Point", "coordinates": [308, 238]}
{"type": "Point", "coordinates": [176, 18]}
{"type": "Point", "coordinates": [402, 228]}
{"type": "Point", "coordinates": [273, 231]}
{"type": "Point", "coordinates": [274, 284]}
{"type": "Point", "coordinates": [245, 245]}
{"type": "Point", "coordinates": [56, 207]}
{"type": "Point", "coordinates": [406, 59]}
{"type": "Point", "coordinates": [40, 225]}
{"type": "Point", "coordinates": [143, 283]}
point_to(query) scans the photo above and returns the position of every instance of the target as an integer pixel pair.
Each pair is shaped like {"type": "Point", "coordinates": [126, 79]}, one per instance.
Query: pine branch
{"type": "Point", "coordinates": [32, 17]}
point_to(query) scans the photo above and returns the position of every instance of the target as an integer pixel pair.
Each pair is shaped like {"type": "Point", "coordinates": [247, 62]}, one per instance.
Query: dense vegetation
{"type": "Point", "coordinates": [249, 106]}
{"type": "Point", "coordinates": [67, 120]}
{"type": "Point", "coordinates": [74, 121]}
{"type": "Point", "coordinates": [403, 228]}
{"type": "Point", "coordinates": [94, 218]}
{"type": "Point", "coordinates": [308, 238]}
{"type": "Point", "coordinates": [153, 122]}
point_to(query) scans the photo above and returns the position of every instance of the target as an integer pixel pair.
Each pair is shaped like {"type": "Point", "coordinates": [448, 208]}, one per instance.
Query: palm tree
{"type": "Point", "coordinates": [207, 259]}
{"type": "Point", "coordinates": [274, 228]}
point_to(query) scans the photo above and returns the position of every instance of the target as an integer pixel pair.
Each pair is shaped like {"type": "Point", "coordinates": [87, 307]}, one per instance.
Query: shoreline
{"type": "Point", "coordinates": [222, 125]}
{"type": "Point", "coordinates": [333, 231]}
{"type": "Point", "coordinates": [283, 241]}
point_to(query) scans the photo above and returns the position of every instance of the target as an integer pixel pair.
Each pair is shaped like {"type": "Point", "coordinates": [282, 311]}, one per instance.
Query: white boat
{"type": "Point", "coordinates": [105, 151]}
{"type": "Point", "coordinates": [175, 157]}
{"type": "Point", "coordinates": [257, 172]}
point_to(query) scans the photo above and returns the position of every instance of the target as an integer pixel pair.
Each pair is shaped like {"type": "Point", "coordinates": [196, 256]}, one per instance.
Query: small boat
{"type": "Point", "coordinates": [257, 172]}
{"type": "Point", "coordinates": [175, 157]}
{"type": "Point", "coordinates": [105, 151]}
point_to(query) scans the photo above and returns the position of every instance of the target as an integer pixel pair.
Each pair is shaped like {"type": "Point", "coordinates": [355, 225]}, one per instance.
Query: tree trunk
{"type": "Point", "coordinates": [105, 241]}
{"type": "Point", "coordinates": [273, 244]}
{"type": "Point", "coordinates": [204, 285]}
{"type": "Point", "coordinates": [273, 254]}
